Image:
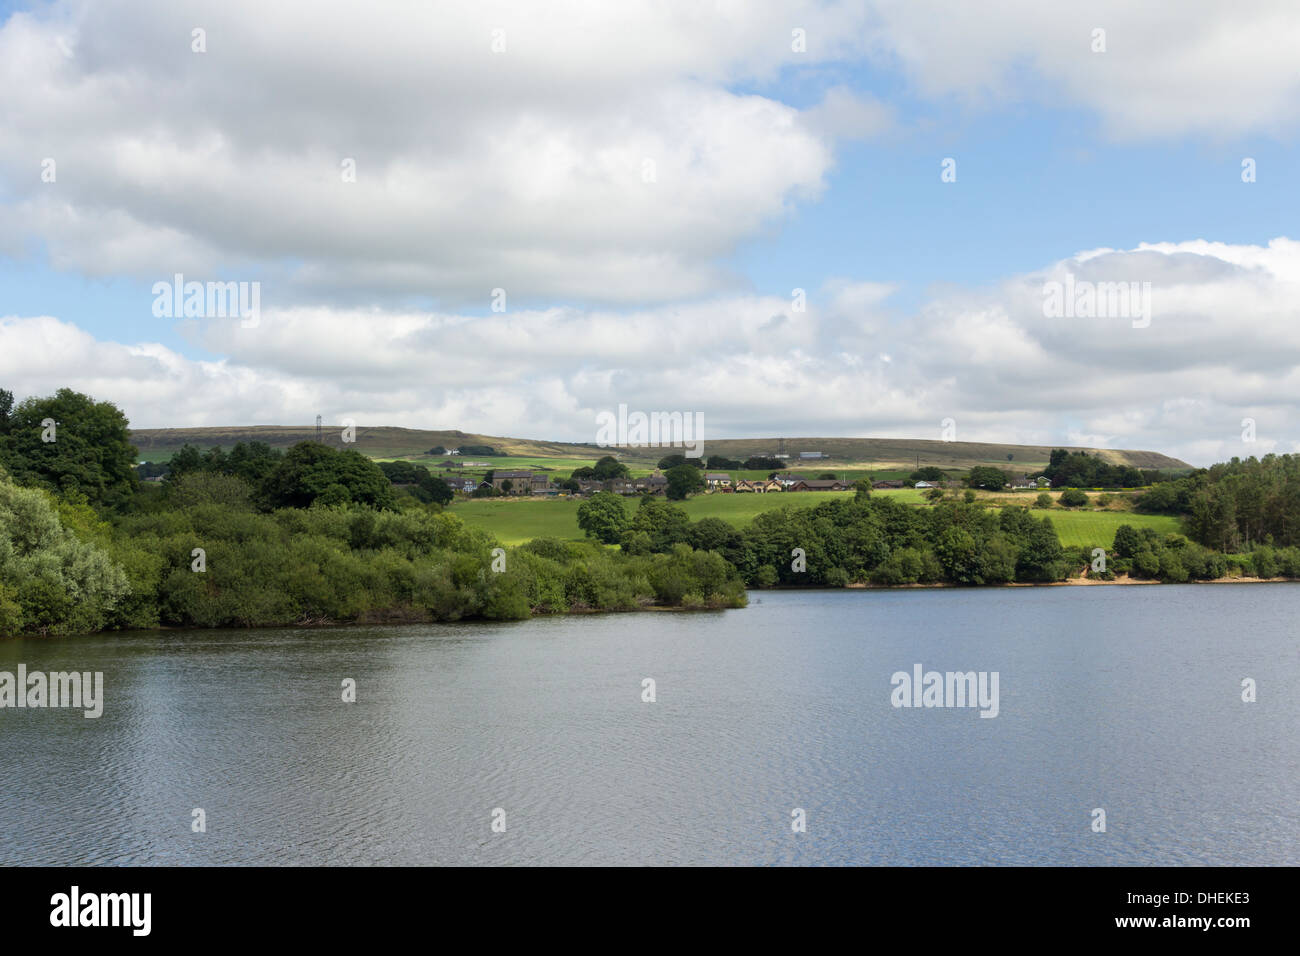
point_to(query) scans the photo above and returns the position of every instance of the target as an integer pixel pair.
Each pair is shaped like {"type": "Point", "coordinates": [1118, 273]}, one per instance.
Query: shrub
{"type": "Point", "coordinates": [1073, 498]}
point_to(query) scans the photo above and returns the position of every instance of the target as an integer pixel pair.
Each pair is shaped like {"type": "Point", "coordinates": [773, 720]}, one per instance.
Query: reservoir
{"type": "Point", "coordinates": [771, 737]}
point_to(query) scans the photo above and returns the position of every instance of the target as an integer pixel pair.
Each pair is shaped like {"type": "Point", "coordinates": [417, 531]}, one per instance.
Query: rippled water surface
{"type": "Point", "coordinates": [1122, 698]}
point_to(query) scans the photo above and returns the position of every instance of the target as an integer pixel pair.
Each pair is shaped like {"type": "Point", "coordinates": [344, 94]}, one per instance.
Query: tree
{"type": "Point", "coordinates": [969, 496]}
{"type": "Point", "coordinates": [1041, 557]}
{"type": "Point", "coordinates": [432, 488]}
{"type": "Point", "coordinates": [309, 469]}
{"type": "Point", "coordinates": [609, 468]}
{"type": "Point", "coordinates": [862, 489]}
{"type": "Point", "coordinates": [1073, 498]}
{"type": "Point", "coordinates": [6, 409]}
{"type": "Point", "coordinates": [603, 517]}
{"type": "Point", "coordinates": [987, 477]}
{"type": "Point", "coordinates": [928, 473]}
{"type": "Point", "coordinates": [672, 461]}
{"type": "Point", "coordinates": [1044, 500]}
{"type": "Point", "coordinates": [1127, 541]}
{"type": "Point", "coordinates": [207, 488]}
{"type": "Point", "coordinates": [934, 495]}
{"type": "Point", "coordinates": [86, 447]}
{"type": "Point", "coordinates": [50, 580]}
{"type": "Point", "coordinates": [682, 481]}
{"type": "Point", "coordinates": [664, 525]}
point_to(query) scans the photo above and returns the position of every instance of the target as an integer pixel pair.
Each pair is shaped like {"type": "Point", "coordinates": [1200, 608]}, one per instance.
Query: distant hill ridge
{"type": "Point", "coordinates": [393, 442]}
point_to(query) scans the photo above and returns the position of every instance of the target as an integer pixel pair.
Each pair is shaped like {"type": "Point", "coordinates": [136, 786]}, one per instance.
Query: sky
{"type": "Point", "coordinates": [798, 219]}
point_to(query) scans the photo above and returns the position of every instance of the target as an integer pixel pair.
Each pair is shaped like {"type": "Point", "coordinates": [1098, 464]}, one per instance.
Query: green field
{"type": "Point", "coordinates": [516, 520]}
{"type": "Point", "coordinates": [1096, 529]}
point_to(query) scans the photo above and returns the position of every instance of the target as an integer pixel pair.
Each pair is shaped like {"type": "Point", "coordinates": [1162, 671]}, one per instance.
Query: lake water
{"type": "Point", "coordinates": [1127, 699]}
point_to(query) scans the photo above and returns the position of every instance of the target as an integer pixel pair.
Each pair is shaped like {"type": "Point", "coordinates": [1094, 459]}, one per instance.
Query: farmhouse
{"type": "Point", "coordinates": [824, 484]}
{"type": "Point", "coordinates": [888, 484]}
{"type": "Point", "coordinates": [520, 481]}
{"type": "Point", "coordinates": [787, 480]}
{"type": "Point", "coordinates": [655, 484]}
{"type": "Point", "coordinates": [759, 485]}
{"type": "Point", "coordinates": [717, 481]}
{"type": "Point", "coordinates": [818, 484]}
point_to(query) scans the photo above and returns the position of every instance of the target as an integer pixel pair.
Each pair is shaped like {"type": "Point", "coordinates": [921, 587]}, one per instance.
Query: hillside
{"type": "Point", "coordinates": [388, 442]}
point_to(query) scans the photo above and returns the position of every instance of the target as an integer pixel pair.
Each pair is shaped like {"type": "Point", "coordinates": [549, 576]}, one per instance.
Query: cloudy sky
{"type": "Point", "coordinates": [796, 218]}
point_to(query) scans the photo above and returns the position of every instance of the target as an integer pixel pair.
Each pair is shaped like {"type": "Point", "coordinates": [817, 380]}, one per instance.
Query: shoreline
{"type": "Point", "coordinates": [400, 621]}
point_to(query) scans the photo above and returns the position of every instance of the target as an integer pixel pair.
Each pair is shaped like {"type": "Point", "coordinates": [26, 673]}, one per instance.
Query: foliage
{"type": "Point", "coordinates": [988, 478]}
{"type": "Point", "coordinates": [682, 481]}
{"type": "Point", "coordinates": [603, 517]}
{"type": "Point", "coordinates": [1073, 498]}
{"type": "Point", "coordinates": [311, 470]}
{"type": "Point", "coordinates": [90, 452]}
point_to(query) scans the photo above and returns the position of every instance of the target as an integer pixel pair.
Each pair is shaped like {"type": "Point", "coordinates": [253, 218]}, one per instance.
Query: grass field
{"type": "Point", "coordinates": [516, 520]}
{"type": "Point", "coordinates": [1096, 529]}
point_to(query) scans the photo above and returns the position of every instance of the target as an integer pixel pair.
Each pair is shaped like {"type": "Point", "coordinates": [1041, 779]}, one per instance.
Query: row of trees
{"type": "Point", "coordinates": [839, 542]}
{"type": "Point", "coordinates": [1236, 504]}
{"type": "Point", "coordinates": [1078, 469]}
{"type": "Point", "coordinates": [211, 563]}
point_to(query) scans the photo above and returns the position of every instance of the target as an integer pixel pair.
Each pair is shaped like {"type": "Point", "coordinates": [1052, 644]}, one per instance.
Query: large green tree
{"type": "Point", "coordinates": [603, 517]}
{"type": "Point", "coordinates": [70, 442]}
{"type": "Point", "coordinates": [682, 481]}
{"type": "Point", "coordinates": [311, 471]}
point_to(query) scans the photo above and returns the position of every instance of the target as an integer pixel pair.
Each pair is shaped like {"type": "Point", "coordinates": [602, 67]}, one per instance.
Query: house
{"type": "Point", "coordinates": [923, 484]}
{"type": "Point", "coordinates": [540, 484]}
{"type": "Point", "coordinates": [787, 480]}
{"type": "Point", "coordinates": [824, 484]}
{"type": "Point", "coordinates": [1043, 481]}
{"type": "Point", "coordinates": [655, 484]}
{"type": "Point", "coordinates": [520, 481]}
{"type": "Point", "coordinates": [468, 485]}
{"type": "Point", "coordinates": [717, 481]}
{"type": "Point", "coordinates": [759, 485]}
{"type": "Point", "coordinates": [888, 484]}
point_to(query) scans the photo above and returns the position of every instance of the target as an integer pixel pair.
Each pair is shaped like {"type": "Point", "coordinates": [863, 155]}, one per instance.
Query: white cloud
{"type": "Point", "coordinates": [1223, 344]}
{"type": "Point", "coordinates": [1198, 67]}
{"type": "Point", "coordinates": [603, 156]}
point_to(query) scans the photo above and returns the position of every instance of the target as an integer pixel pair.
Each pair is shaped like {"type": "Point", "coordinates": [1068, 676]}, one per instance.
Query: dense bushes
{"type": "Point", "coordinates": [877, 539]}
{"type": "Point", "coordinates": [219, 563]}
{"type": "Point", "coordinates": [51, 581]}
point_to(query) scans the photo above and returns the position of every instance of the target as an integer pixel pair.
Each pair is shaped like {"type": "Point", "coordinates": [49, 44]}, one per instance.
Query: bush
{"type": "Point", "coordinates": [1073, 498]}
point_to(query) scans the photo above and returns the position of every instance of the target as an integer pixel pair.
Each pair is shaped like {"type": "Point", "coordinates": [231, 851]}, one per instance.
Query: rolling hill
{"type": "Point", "coordinates": [159, 444]}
